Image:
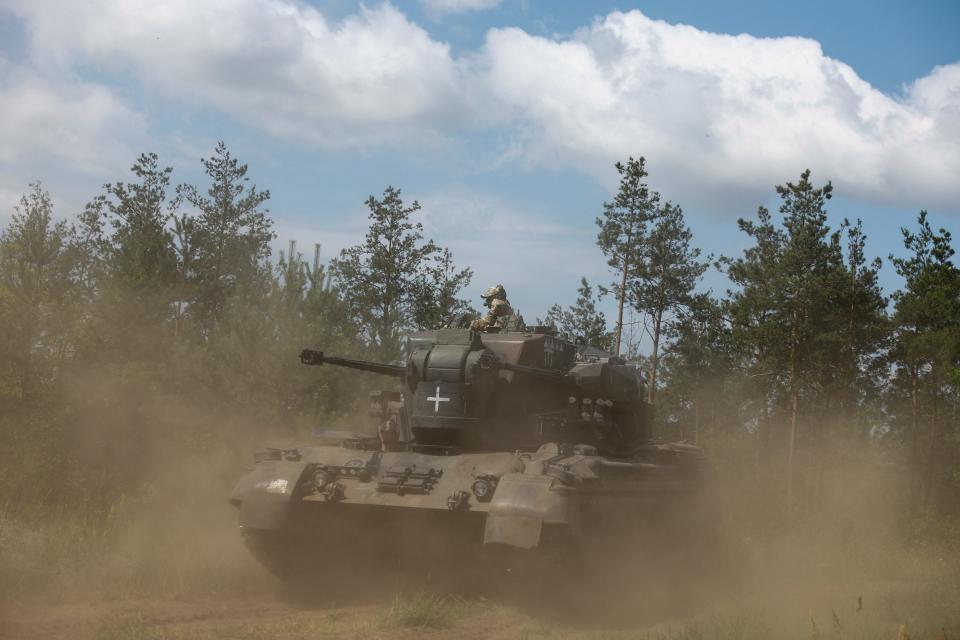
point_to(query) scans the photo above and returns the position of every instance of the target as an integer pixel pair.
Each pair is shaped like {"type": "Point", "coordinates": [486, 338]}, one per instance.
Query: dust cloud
{"type": "Point", "coordinates": [844, 560]}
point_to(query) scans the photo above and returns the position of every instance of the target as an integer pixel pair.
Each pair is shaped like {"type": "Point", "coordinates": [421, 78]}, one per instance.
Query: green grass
{"type": "Point", "coordinates": [126, 628]}
{"type": "Point", "coordinates": [926, 614]}
{"type": "Point", "coordinates": [423, 609]}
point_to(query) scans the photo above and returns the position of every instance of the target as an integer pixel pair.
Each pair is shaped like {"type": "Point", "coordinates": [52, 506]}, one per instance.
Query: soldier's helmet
{"type": "Point", "coordinates": [497, 292]}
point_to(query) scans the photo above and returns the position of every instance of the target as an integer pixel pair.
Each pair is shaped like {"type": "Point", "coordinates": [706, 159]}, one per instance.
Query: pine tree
{"type": "Point", "coordinates": [228, 243]}
{"type": "Point", "coordinates": [37, 289]}
{"type": "Point", "coordinates": [668, 269]}
{"type": "Point", "coordinates": [927, 338]}
{"type": "Point", "coordinates": [623, 229]}
{"type": "Point", "coordinates": [135, 264]}
{"type": "Point", "coordinates": [784, 310]}
{"type": "Point", "coordinates": [701, 393]}
{"type": "Point", "coordinates": [142, 255]}
{"type": "Point", "coordinates": [396, 279]}
{"type": "Point", "coordinates": [438, 300]}
{"type": "Point", "coordinates": [582, 320]}
{"type": "Point", "coordinates": [852, 370]}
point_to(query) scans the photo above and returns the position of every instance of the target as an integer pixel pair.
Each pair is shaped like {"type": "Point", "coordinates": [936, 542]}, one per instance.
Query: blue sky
{"type": "Point", "coordinates": [502, 118]}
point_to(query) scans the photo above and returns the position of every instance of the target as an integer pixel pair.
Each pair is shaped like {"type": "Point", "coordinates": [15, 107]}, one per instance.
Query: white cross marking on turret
{"type": "Point", "coordinates": [437, 400]}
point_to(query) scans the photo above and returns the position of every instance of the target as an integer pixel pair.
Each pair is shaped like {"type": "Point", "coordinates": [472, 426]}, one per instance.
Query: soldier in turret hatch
{"type": "Point", "coordinates": [500, 315]}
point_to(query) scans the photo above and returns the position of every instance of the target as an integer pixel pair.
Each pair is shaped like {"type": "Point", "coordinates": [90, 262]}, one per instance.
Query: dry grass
{"type": "Point", "coordinates": [922, 614]}
{"type": "Point", "coordinates": [424, 609]}
{"type": "Point", "coordinates": [850, 572]}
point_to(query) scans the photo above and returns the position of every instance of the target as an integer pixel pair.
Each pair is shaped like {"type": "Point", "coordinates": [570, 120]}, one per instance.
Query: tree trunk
{"type": "Point", "coordinates": [696, 422]}
{"type": "Point", "coordinates": [929, 491]}
{"type": "Point", "coordinates": [914, 431]}
{"type": "Point", "coordinates": [762, 460]}
{"type": "Point", "coordinates": [794, 393]}
{"type": "Point", "coordinates": [620, 300]}
{"type": "Point", "coordinates": [652, 390]}
{"type": "Point", "coordinates": [846, 407]}
{"type": "Point", "coordinates": [31, 320]}
{"type": "Point", "coordinates": [792, 445]}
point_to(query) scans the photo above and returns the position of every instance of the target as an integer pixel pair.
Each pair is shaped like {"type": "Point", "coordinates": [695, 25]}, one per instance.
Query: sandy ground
{"type": "Point", "coordinates": [269, 615]}
{"type": "Point", "coordinates": [269, 611]}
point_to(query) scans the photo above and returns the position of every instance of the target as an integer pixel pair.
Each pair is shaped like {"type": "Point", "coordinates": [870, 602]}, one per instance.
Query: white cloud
{"type": "Point", "coordinates": [374, 77]}
{"type": "Point", "coordinates": [720, 118]}
{"type": "Point", "coordinates": [458, 6]}
{"type": "Point", "coordinates": [719, 115]}
{"type": "Point", "coordinates": [56, 127]}
{"type": "Point", "coordinates": [71, 121]}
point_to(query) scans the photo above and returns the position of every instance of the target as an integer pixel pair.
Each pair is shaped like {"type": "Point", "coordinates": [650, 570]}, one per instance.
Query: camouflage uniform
{"type": "Point", "coordinates": [500, 314]}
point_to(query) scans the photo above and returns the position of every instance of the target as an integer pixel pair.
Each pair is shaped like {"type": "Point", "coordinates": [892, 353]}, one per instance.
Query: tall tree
{"type": "Point", "coordinates": [142, 246]}
{"type": "Point", "coordinates": [785, 304]}
{"type": "Point", "coordinates": [668, 269]}
{"type": "Point", "coordinates": [386, 278]}
{"type": "Point", "coordinates": [852, 370]}
{"type": "Point", "coordinates": [229, 242]}
{"type": "Point", "coordinates": [752, 307]}
{"type": "Point", "coordinates": [806, 264]}
{"type": "Point", "coordinates": [623, 227]}
{"type": "Point", "coordinates": [37, 287]}
{"type": "Point", "coordinates": [927, 342]}
{"type": "Point", "coordinates": [138, 270]}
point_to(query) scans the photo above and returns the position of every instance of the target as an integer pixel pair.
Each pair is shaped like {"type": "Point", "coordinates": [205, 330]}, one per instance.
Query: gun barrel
{"type": "Point", "coordinates": [549, 374]}
{"type": "Point", "coordinates": [317, 358]}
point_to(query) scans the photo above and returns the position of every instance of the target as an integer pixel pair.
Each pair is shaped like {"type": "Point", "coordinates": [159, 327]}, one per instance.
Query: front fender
{"type": "Point", "coordinates": [523, 504]}
{"type": "Point", "coordinates": [264, 495]}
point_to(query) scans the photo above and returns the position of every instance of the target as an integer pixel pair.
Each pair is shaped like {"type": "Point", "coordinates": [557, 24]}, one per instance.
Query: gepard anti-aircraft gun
{"type": "Point", "coordinates": [467, 392]}
{"type": "Point", "coordinates": [517, 439]}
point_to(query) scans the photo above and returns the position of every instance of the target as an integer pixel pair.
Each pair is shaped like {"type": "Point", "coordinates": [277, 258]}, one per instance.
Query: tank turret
{"type": "Point", "coordinates": [469, 391]}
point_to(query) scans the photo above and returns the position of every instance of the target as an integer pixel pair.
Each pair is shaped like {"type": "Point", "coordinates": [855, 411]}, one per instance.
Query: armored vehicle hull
{"type": "Point", "coordinates": [483, 450]}
{"type": "Point", "coordinates": [557, 507]}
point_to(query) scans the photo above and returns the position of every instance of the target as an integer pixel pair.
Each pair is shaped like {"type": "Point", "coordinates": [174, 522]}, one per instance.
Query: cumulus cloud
{"type": "Point", "coordinates": [458, 6]}
{"type": "Point", "coordinates": [280, 65]}
{"type": "Point", "coordinates": [719, 114]}
{"type": "Point", "coordinates": [51, 124]}
{"type": "Point", "coordinates": [721, 118]}
{"type": "Point", "coordinates": [76, 122]}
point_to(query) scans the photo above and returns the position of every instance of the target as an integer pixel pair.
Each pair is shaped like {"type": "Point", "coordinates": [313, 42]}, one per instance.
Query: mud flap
{"type": "Point", "coordinates": [265, 494]}
{"type": "Point", "coordinates": [521, 506]}
{"type": "Point", "coordinates": [522, 532]}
